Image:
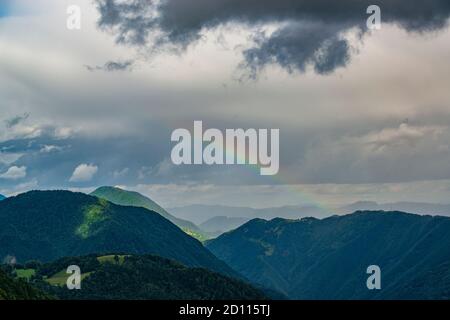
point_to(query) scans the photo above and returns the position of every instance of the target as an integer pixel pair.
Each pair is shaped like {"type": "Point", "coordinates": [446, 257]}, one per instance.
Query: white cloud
{"type": "Point", "coordinates": [49, 148]}
{"type": "Point", "coordinates": [14, 173]}
{"type": "Point", "coordinates": [20, 131]}
{"type": "Point", "coordinates": [83, 173]}
{"type": "Point", "coordinates": [21, 188]}
{"type": "Point", "coordinates": [405, 135]}
{"type": "Point", "coordinates": [63, 133]}
{"type": "Point", "coordinates": [165, 168]}
{"type": "Point", "coordinates": [9, 158]}
{"type": "Point", "coordinates": [120, 173]}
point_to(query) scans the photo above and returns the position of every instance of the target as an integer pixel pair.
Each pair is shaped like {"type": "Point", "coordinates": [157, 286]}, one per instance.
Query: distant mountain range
{"type": "Point", "coordinates": [412, 207]}
{"type": "Point", "coordinates": [130, 198]}
{"type": "Point", "coordinates": [221, 224]}
{"type": "Point", "coordinates": [201, 213]}
{"type": "Point", "coordinates": [328, 259]}
{"type": "Point", "coordinates": [12, 289]}
{"type": "Point", "coordinates": [47, 225]}
{"type": "Point", "coordinates": [124, 277]}
{"type": "Point", "coordinates": [220, 219]}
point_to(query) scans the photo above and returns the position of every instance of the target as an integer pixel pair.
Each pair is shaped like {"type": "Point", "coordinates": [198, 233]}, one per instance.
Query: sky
{"type": "Point", "coordinates": [363, 114]}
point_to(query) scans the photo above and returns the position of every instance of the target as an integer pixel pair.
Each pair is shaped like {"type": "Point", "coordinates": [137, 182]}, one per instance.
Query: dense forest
{"type": "Point", "coordinates": [18, 289]}
{"type": "Point", "coordinates": [115, 277]}
{"type": "Point", "coordinates": [328, 258]}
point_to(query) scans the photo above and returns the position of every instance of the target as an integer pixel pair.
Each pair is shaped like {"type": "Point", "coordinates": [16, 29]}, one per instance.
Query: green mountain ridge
{"type": "Point", "coordinates": [2, 197]}
{"type": "Point", "coordinates": [328, 258]}
{"type": "Point", "coordinates": [131, 198]}
{"type": "Point", "coordinates": [47, 225]}
{"type": "Point", "coordinates": [124, 277]}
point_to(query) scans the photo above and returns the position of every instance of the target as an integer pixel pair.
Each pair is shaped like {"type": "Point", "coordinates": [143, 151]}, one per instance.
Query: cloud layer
{"type": "Point", "coordinates": [379, 116]}
{"type": "Point", "coordinates": [307, 33]}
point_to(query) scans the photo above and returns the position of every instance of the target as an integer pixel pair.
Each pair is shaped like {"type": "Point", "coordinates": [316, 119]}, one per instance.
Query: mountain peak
{"type": "Point", "coordinates": [132, 198]}
{"type": "Point", "coordinates": [64, 223]}
{"type": "Point", "coordinates": [112, 189]}
{"type": "Point", "coordinates": [129, 198]}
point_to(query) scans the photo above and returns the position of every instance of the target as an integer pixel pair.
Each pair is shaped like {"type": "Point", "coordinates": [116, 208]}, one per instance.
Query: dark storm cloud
{"type": "Point", "coordinates": [311, 33]}
{"type": "Point", "coordinates": [133, 19]}
{"type": "Point", "coordinates": [16, 120]}
{"type": "Point", "coordinates": [112, 66]}
{"type": "Point", "coordinates": [297, 46]}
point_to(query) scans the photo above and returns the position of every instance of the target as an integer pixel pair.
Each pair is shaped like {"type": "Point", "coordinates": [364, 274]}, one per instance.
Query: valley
{"type": "Point", "coordinates": [128, 247]}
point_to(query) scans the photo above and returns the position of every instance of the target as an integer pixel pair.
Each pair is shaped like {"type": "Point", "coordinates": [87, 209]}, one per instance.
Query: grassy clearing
{"type": "Point", "coordinates": [25, 273]}
{"type": "Point", "coordinates": [60, 279]}
{"type": "Point", "coordinates": [92, 215]}
{"type": "Point", "coordinates": [197, 235]}
{"type": "Point", "coordinates": [111, 259]}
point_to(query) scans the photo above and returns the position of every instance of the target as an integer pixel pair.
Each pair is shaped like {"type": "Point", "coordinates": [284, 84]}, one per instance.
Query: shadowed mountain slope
{"type": "Point", "coordinates": [328, 259]}
{"type": "Point", "coordinates": [46, 225]}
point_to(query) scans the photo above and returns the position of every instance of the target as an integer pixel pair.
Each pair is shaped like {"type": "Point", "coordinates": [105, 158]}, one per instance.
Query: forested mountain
{"type": "Point", "coordinates": [13, 289]}
{"type": "Point", "coordinates": [141, 277]}
{"type": "Point", "coordinates": [2, 197]}
{"type": "Point", "coordinates": [47, 225]}
{"type": "Point", "coordinates": [328, 259]}
{"type": "Point", "coordinates": [131, 198]}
